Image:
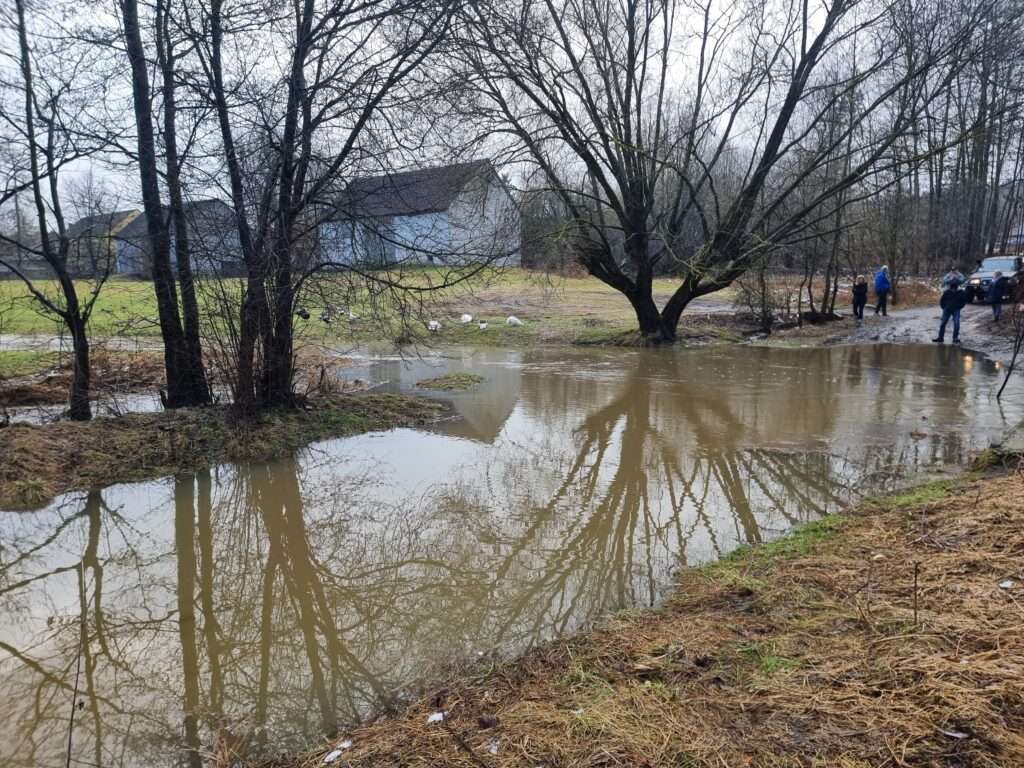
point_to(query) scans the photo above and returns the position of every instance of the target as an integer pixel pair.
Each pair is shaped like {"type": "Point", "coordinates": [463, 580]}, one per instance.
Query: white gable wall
{"type": "Point", "coordinates": [484, 224]}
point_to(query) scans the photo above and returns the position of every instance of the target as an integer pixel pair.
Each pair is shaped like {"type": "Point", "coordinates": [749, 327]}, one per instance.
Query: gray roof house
{"type": "Point", "coordinates": [452, 214]}
{"type": "Point", "coordinates": [91, 247]}
{"type": "Point", "coordinates": [92, 241]}
{"type": "Point", "coordinates": [213, 241]}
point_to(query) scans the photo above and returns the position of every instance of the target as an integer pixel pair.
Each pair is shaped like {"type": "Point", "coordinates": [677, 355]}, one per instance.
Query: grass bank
{"type": "Point", "coordinates": [891, 635]}
{"type": "Point", "coordinates": [39, 462]}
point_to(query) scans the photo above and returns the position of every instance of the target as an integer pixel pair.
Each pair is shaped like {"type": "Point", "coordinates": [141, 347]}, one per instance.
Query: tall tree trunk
{"type": "Point", "coordinates": [182, 387]}
{"type": "Point", "coordinates": [199, 389]}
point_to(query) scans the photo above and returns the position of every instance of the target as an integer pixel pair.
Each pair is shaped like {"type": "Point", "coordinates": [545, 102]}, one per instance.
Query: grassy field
{"type": "Point", "coordinates": [553, 309]}
{"type": "Point", "coordinates": [24, 362]}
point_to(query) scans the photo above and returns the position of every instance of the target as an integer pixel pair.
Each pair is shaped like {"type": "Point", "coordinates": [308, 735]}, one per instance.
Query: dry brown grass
{"type": "Point", "coordinates": [802, 653]}
{"type": "Point", "coordinates": [112, 373]}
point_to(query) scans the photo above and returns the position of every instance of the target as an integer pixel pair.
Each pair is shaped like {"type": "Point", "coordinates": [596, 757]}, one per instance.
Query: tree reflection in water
{"type": "Point", "coordinates": [284, 600]}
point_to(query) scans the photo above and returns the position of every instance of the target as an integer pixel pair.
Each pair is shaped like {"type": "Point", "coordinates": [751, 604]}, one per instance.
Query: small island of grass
{"type": "Point", "coordinates": [451, 381]}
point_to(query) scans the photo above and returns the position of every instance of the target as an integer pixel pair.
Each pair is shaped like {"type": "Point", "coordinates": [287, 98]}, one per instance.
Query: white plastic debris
{"type": "Point", "coordinates": [1007, 584]}
{"type": "Point", "coordinates": [433, 326]}
{"type": "Point", "coordinates": [956, 734]}
{"type": "Point", "coordinates": [513, 320]}
{"type": "Point", "coordinates": [482, 325]}
{"type": "Point", "coordinates": [335, 753]}
{"type": "Point", "coordinates": [437, 717]}
{"type": "Point", "coordinates": [466, 319]}
{"type": "Point", "coordinates": [493, 747]}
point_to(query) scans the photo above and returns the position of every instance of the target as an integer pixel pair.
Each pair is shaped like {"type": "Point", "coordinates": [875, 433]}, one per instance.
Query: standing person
{"type": "Point", "coordinates": [952, 301]}
{"type": "Point", "coordinates": [996, 291]}
{"type": "Point", "coordinates": [882, 288]}
{"type": "Point", "coordinates": [860, 297]}
{"type": "Point", "coordinates": [953, 275]}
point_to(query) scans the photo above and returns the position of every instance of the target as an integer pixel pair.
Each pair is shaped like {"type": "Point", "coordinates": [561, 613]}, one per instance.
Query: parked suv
{"type": "Point", "coordinates": [980, 280]}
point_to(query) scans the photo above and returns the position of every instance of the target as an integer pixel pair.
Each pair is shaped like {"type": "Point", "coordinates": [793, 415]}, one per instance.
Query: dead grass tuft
{"type": "Point", "coordinates": [808, 652]}
{"type": "Point", "coordinates": [111, 372]}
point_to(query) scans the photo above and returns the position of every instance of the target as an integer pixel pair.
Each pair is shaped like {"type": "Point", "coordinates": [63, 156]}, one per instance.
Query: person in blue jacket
{"type": "Point", "coordinates": [996, 291]}
{"type": "Point", "coordinates": [882, 288]}
{"type": "Point", "coordinates": [952, 301]}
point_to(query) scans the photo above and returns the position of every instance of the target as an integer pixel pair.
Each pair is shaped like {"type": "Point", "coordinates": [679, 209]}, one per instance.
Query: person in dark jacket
{"type": "Point", "coordinates": [860, 298]}
{"type": "Point", "coordinates": [882, 288]}
{"type": "Point", "coordinates": [953, 300]}
{"type": "Point", "coordinates": [996, 291]}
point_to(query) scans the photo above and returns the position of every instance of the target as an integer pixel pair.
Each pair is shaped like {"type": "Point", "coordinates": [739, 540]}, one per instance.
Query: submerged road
{"type": "Point", "coordinates": [920, 325]}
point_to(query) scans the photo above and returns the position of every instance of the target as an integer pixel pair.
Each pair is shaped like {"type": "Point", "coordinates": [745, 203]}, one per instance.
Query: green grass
{"type": "Point", "coordinates": [926, 493]}
{"type": "Point", "coordinates": [798, 542]}
{"type": "Point", "coordinates": [25, 362]}
{"type": "Point", "coordinates": [765, 658]}
{"type": "Point", "coordinates": [451, 381]}
{"type": "Point", "coordinates": [554, 309]}
{"type": "Point", "coordinates": [124, 306]}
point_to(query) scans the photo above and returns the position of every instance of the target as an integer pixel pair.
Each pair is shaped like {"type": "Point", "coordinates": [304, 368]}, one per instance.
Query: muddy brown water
{"type": "Point", "coordinates": [286, 600]}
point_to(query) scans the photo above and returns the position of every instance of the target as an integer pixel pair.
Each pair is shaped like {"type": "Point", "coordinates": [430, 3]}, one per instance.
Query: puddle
{"type": "Point", "coordinates": [288, 599]}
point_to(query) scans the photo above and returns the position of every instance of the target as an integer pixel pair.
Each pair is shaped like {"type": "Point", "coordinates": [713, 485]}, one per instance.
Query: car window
{"type": "Point", "coordinates": [1003, 264]}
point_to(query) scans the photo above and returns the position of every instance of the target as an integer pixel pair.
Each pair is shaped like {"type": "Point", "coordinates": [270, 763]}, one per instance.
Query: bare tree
{"type": "Point", "coordinates": [588, 93]}
{"type": "Point", "coordinates": [312, 124]}
{"type": "Point", "coordinates": [50, 129]}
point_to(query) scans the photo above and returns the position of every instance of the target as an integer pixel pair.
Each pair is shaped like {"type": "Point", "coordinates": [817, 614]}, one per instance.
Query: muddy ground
{"type": "Point", "coordinates": [917, 325]}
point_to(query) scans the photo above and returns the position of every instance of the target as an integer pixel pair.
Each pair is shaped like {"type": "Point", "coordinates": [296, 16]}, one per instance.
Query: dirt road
{"type": "Point", "coordinates": [919, 325]}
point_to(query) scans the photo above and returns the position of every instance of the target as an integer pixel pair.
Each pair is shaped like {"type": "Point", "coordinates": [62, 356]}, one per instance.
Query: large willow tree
{"type": "Point", "coordinates": [676, 134]}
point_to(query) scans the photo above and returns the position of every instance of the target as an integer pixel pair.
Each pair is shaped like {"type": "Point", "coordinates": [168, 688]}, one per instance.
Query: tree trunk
{"type": "Point", "coordinates": [78, 397]}
{"type": "Point", "coordinates": [182, 389]}
{"type": "Point", "coordinates": [654, 329]}
{"type": "Point", "coordinates": [279, 355]}
{"type": "Point", "coordinates": [198, 388]}
{"type": "Point", "coordinates": [254, 316]}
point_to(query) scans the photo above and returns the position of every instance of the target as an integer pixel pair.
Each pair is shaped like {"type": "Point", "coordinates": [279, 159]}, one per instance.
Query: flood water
{"type": "Point", "coordinates": [288, 599]}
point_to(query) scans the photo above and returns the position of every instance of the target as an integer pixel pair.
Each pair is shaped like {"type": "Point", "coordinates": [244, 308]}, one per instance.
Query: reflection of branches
{"type": "Point", "coordinates": [624, 465]}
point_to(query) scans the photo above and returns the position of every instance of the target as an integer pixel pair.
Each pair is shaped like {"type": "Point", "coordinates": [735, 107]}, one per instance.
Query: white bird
{"type": "Point", "coordinates": [513, 320]}
{"type": "Point", "coordinates": [433, 326]}
{"type": "Point", "coordinates": [352, 316]}
{"type": "Point", "coordinates": [466, 319]}
{"type": "Point", "coordinates": [482, 325]}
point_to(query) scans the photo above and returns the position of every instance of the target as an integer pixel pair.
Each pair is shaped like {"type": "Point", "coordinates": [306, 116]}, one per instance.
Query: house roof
{"type": "Point", "coordinates": [200, 213]}
{"type": "Point", "coordinates": [101, 224]}
{"type": "Point", "coordinates": [427, 190]}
